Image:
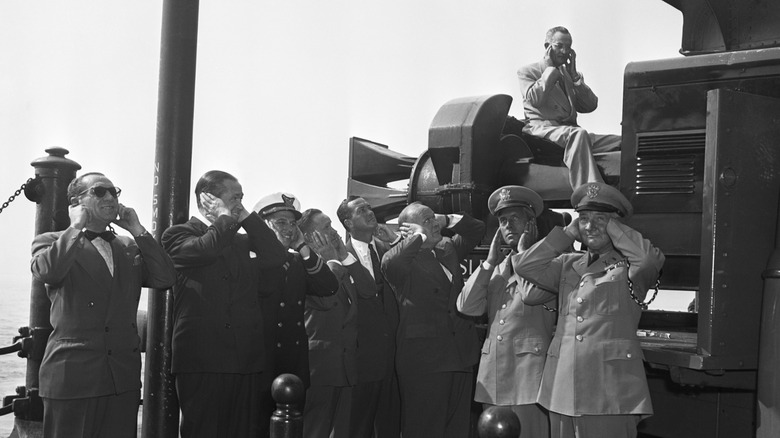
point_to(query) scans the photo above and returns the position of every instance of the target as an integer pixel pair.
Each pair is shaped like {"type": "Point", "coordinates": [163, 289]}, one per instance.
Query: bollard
{"type": "Point", "coordinates": [498, 422]}
{"type": "Point", "coordinates": [287, 421]}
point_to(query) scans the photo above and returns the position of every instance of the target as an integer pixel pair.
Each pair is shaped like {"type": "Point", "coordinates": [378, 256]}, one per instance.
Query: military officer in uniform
{"type": "Point", "coordinates": [594, 382]}
{"type": "Point", "coordinates": [520, 316]}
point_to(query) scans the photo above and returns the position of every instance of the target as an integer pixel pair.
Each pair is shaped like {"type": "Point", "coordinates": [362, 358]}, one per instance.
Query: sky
{"type": "Point", "coordinates": [282, 86]}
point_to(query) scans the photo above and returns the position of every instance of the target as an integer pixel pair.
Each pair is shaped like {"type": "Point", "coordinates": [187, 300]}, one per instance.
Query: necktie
{"type": "Point", "coordinates": [375, 264]}
{"type": "Point", "coordinates": [378, 279]}
{"type": "Point", "coordinates": [592, 258]}
{"type": "Point", "coordinates": [105, 235]}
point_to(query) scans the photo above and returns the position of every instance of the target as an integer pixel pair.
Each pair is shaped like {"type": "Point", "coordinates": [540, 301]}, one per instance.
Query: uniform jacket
{"type": "Point", "coordinates": [217, 322]}
{"type": "Point", "coordinates": [594, 363]}
{"type": "Point", "coordinates": [377, 324]}
{"type": "Point", "coordinates": [94, 348]}
{"type": "Point", "coordinates": [283, 292]}
{"type": "Point", "coordinates": [520, 330]}
{"type": "Point", "coordinates": [331, 324]}
{"type": "Point", "coordinates": [545, 102]}
{"type": "Point", "coordinates": [432, 336]}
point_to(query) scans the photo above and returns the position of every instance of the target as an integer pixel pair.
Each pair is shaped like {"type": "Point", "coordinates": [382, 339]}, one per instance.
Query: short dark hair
{"type": "Point", "coordinates": [77, 186]}
{"type": "Point", "coordinates": [212, 182]}
{"type": "Point", "coordinates": [550, 33]}
{"type": "Point", "coordinates": [306, 222]}
{"type": "Point", "coordinates": [344, 212]}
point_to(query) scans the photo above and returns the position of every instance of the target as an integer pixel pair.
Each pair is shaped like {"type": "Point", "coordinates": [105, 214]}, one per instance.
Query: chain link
{"type": "Point", "coordinates": [639, 302]}
{"type": "Point", "coordinates": [16, 193]}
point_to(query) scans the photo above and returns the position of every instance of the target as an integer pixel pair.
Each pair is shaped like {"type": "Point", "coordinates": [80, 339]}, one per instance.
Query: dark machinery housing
{"type": "Point", "coordinates": [700, 162]}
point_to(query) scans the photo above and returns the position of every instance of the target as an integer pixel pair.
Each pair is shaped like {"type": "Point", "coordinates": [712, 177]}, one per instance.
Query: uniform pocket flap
{"type": "Point", "coordinates": [529, 345]}
{"type": "Point", "coordinates": [622, 349]}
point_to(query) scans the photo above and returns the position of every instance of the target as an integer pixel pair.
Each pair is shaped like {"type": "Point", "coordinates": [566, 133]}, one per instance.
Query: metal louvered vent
{"type": "Point", "coordinates": [667, 163]}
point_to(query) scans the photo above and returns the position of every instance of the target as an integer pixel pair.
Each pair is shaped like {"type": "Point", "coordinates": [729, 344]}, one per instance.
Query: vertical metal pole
{"type": "Point", "coordinates": [53, 172]}
{"type": "Point", "coordinates": [768, 393]}
{"type": "Point", "coordinates": [172, 169]}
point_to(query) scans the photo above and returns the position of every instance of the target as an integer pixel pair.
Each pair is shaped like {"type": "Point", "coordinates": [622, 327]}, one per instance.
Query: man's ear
{"type": "Point", "coordinates": [348, 224]}
{"type": "Point", "coordinates": [546, 45]}
{"type": "Point", "coordinates": [74, 201]}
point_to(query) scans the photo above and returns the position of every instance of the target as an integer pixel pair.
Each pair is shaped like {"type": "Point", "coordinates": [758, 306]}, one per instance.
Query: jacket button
{"type": "Point", "coordinates": [299, 302]}
{"type": "Point", "coordinates": [503, 306]}
{"type": "Point", "coordinates": [499, 337]}
{"type": "Point", "coordinates": [501, 322]}
{"type": "Point", "coordinates": [628, 355]}
{"type": "Point", "coordinates": [279, 345]}
{"type": "Point", "coordinates": [578, 337]}
{"type": "Point", "coordinates": [91, 304]}
{"type": "Point", "coordinates": [582, 284]}
{"type": "Point", "coordinates": [579, 319]}
{"type": "Point", "coordinates": [537, 349]}
{"type": "Point", "coordinates": [227, 325]}
{"type": "Point", "coordinates": [579, 300]}
{"type": "Point", "coordinates": [279, 324]}
{"type": "Point", "coordinates": [281, 304]}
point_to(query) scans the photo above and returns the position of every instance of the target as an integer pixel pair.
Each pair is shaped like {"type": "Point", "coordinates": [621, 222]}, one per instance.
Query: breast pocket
{"type": "Point", "coordinates": [607, 293]}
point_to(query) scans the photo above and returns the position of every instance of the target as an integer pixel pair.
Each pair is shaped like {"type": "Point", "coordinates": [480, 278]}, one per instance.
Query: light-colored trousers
{"type": "Point", "coordinates": [578, 148]}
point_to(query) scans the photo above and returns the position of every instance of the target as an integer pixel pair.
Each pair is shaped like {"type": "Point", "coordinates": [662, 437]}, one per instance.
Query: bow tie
{"type": "Point", "coordinates": [105, 235]}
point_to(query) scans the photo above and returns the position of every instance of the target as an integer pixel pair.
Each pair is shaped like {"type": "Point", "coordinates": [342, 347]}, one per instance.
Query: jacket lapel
{"type": "Point", "coordinates": [95, 265]}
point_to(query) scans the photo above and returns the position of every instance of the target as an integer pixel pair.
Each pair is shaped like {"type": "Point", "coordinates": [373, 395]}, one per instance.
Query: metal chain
{"type": "Point", "coordinates": [16, 193]}
{"type": "Point", "coordinates": [549, 309]}
{"type": "Point", "coordinates": [639, 302]}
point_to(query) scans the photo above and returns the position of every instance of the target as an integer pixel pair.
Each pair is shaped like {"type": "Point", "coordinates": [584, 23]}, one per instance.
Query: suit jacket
{"type": "Point", "coordinates": [331, 324]}
{"type": "Point", "coordinates": [546, 102]}
{"type": "Point", "coordinates": [520, 330]}
{"type": "Point", "coordinates": [432, 336]}
{"type": "Point", "coordinates": [217, 322]}
{"type": "Point", "coordinates": [283, 292]}
{"type": "Point", "coordinates": [94, 348]}
{"type": "Point", "coordinates": [594, 363]}
{"type": "Point", "coordinates": [377, 324]}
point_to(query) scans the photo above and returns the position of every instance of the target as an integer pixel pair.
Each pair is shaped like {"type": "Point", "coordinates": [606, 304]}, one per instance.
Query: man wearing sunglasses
{"type": "Point", "coordinates": [90, 376]}
{"type": "Point", "coordinates": [554, 91]}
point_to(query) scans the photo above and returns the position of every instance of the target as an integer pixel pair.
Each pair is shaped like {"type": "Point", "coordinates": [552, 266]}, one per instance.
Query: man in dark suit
{"type": "Point", "coordinates": [331, 324]}
{"type": "Point", "coordinates": [218, 326]}
{"type": "Point", "coordinates": [91, 370]}
{"type": "Point", "coordinates": [437, 346]}
{"type": "Point", "coordinates": [376, 400]}
{"type": "Point", "coordinates": [283, 292]}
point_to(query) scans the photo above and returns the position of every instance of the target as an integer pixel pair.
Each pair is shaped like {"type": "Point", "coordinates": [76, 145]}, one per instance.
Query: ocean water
{"type": "Point", "coordinates": [14, 313]}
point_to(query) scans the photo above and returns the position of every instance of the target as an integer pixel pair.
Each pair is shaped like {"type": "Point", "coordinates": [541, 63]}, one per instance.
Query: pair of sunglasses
{"type": "Point", "coordinates": [100, 191]}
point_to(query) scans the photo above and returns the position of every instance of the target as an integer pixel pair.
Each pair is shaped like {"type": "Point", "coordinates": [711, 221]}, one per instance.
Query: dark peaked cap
{"type": "Point", "coordinates": [515, 196]}
{"type": "Point", "coordinates": [598, 196]}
